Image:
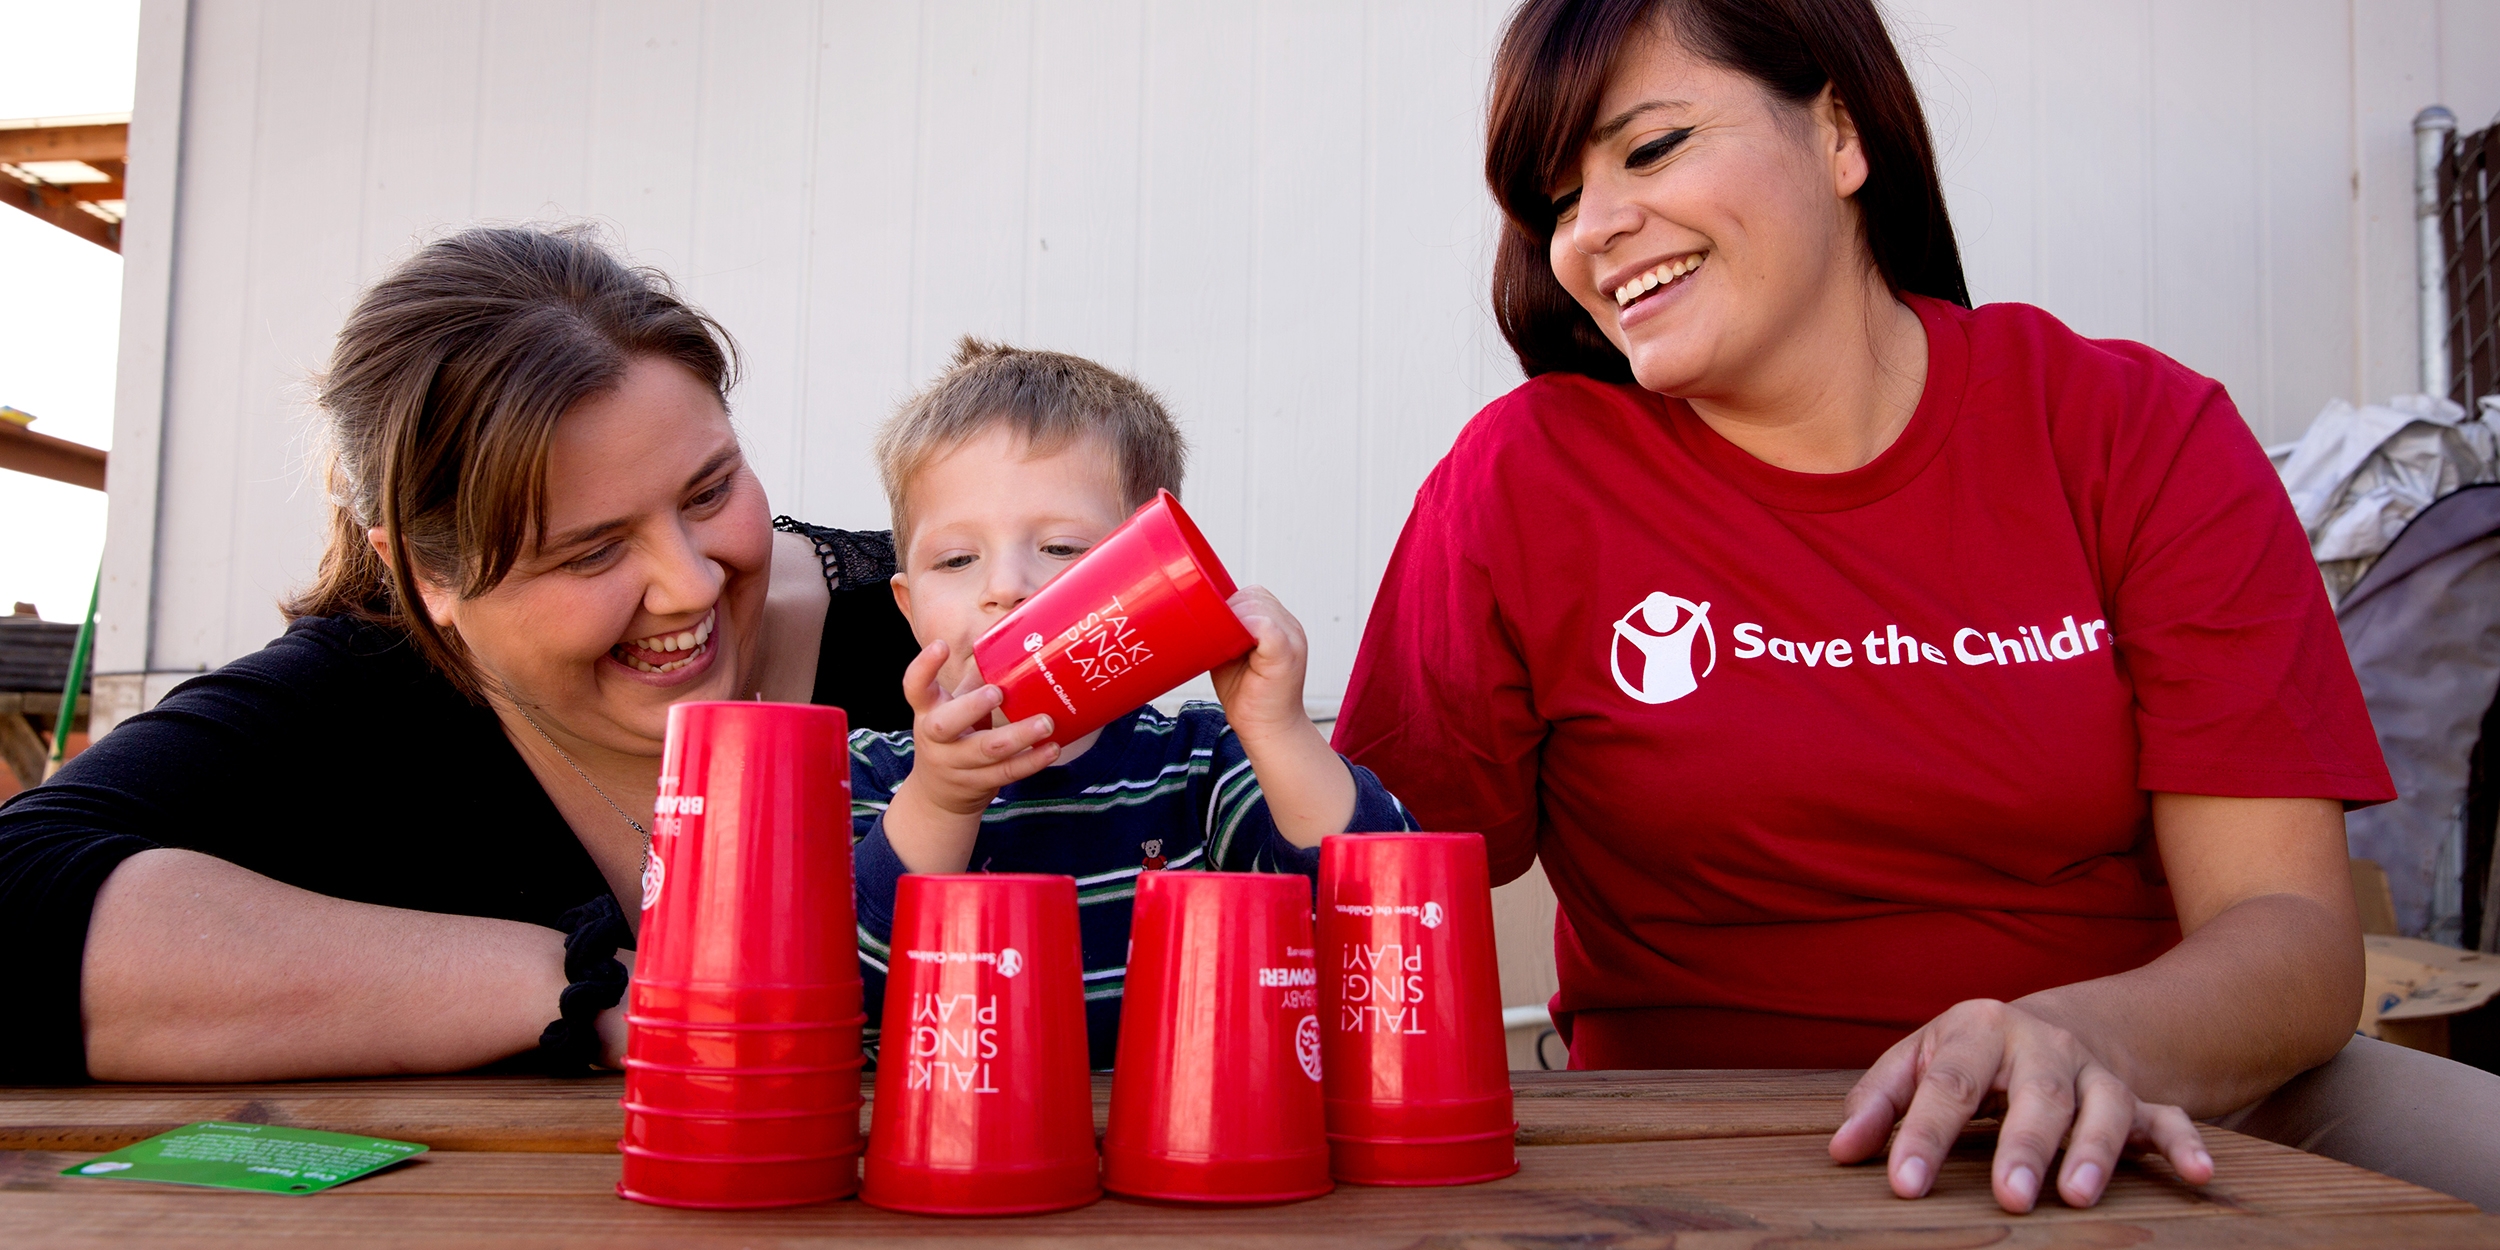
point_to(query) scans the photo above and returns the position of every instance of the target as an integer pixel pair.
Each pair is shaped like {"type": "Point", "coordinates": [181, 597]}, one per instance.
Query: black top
{"type": "Point", "coordinates": [336, 759]}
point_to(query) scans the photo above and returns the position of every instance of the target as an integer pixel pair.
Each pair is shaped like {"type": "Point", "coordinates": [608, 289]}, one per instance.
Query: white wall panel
{"type": "Point", "coordinates": [857, 254]}
{"type": "Point", "coordinates": [1272, 212]}
{"type": "Point", "coordinates": [2301, 127]}
{"type": "Point", "coordinates": [198, 551]}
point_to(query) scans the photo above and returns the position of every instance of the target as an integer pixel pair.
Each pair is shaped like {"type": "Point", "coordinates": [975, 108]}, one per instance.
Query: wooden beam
{"type": "Point", "coordinates": [92, 192]}
{"type": "Point", "coordinates": [20, 144]}
{"type": "Point", "coordinates": [59, 205]}
{"type": "Point", "coordinates": [45, 456]}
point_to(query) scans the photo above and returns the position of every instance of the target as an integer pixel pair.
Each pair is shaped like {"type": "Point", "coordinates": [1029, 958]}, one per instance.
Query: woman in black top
{"type": "Point", "coordinates": [354, 850]}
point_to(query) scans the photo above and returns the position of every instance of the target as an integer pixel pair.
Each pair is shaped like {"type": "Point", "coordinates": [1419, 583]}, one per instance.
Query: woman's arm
{"type": "Point", "coordinates": [197, 970]}
{"type": "Point", "coordinates": [1439, 704]}
{"type": "Point", "coordinates": [2266, 984]}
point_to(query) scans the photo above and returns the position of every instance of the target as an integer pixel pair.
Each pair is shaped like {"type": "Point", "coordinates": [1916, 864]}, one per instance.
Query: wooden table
{"type": "Point", "coordinates": [1655, 1159]}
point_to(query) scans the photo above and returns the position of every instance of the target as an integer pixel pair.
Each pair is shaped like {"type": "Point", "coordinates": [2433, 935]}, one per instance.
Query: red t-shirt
{"type": "Point", "coordinates": [1811, 757]}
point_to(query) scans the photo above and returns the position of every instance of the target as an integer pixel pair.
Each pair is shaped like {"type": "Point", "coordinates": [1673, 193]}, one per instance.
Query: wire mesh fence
{"type": "Point", "coordinates": [2469, 178]}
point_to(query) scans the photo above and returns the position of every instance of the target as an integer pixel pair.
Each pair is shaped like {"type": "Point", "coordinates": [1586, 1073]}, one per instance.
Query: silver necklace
{"type": "Point", "coordinates": [635, 825]}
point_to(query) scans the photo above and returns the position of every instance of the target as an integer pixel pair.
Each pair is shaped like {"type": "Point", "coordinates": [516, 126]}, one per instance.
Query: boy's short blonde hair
{"type": "Point", "coordinates": [1052, 399]}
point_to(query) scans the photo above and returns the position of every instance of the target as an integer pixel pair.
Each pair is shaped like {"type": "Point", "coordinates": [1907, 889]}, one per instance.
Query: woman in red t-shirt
{"type": "Point", "coordinates": [1880, 681]}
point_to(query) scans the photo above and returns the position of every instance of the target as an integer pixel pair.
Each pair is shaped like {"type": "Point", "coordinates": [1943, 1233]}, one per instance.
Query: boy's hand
{"type": "Point", "coordinates": [1309, 792]}
{"type": "Point", "coordinates": [956, 768]}
{"type": "Point", "coordinates": [1262, 691]}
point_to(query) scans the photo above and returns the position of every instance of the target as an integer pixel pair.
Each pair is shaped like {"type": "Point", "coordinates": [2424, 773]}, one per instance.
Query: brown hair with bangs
{"type": "Point", "coordinates": [1551, 71]}
{"type": "Point", "coordinates": [1050, 399]}
{"type": "Point", "coordinates": [442, 396]}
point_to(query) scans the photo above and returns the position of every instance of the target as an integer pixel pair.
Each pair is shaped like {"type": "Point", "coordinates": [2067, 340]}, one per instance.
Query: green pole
{"type": "Point", "coordinates": [78, 653]}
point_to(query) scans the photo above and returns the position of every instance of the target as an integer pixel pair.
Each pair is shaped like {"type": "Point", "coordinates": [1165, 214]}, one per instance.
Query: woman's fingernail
{"type": "Point", "coordinates": [2087, 1182]}
{"type": "Point", "coordinates": [2025, 1185]}
{"type": "Point", "coordinates": [1910, 1179]}
{"type": "Point", "coordinates": [2204, 1160]}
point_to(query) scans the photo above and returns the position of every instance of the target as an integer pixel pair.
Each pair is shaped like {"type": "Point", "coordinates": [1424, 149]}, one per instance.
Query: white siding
{"type": "Point", "coordinates": [1271, 212]}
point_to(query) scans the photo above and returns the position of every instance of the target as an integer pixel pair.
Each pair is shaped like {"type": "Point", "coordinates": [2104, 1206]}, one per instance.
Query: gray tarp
{"type": "Point", "coordinates": [2359, 474]}
{"type": "Point", "coordinates": [2423, 627]}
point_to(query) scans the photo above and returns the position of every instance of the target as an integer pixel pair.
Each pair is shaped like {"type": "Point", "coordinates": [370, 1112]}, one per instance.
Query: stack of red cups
{"type": "Point", "coordinates": [742, 1069]}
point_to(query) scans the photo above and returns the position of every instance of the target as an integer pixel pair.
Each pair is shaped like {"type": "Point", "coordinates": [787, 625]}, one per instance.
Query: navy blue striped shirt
{"type": "Point", "coordinates": [1154, 791]}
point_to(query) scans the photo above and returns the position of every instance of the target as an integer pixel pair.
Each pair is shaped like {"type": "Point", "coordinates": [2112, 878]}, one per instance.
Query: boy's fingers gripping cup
{"type": "Point", "coordinates": [1139, 614]}
{"type": "Point", "coordinates": [1216, 1096]}
{"type": "Point", "coordinates": [984, 1104]}
{"type": "Point", "coordinates": [1418, 1081]}
{"type": "Point", "coordinates": [742, 1064]}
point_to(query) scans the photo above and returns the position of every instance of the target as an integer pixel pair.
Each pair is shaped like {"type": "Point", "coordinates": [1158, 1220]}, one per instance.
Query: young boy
{"type": "Point", "coordinates": [1007, 468]}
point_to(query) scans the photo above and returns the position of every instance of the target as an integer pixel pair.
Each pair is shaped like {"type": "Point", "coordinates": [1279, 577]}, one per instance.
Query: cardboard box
{"type": "Point", "coordinates": [2413, 990]}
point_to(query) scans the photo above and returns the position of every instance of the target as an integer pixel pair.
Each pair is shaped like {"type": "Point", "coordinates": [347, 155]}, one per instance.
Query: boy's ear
{"type": "Point", "coordinates": [902, 594]}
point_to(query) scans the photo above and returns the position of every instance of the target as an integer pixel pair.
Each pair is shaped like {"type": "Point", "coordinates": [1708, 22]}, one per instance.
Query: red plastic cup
{"type": "Point", "coordinates": [749, 884]}
{"type": "Point", "coordinates": [712, 1045]}
{"type": "Point", "coordinates": [742, 1064]}
{"type": "Point", "coordinates": [1136, 616]}
{"type": "Point", "coordinates": [744, 1134]}
{"type": "Point", "coordinates": [984, 1106]}
{"type": "Point", "coordinates": [1216, 1096]}
{"type": "Point", "coordinates": [716, 1004]}
{"type": "Point", "coordinates": [732, 1182]}
{"type": "Point", "coordinates": [1418, 1081]}
{"type": "Point", "coordinates": [697, 1090]}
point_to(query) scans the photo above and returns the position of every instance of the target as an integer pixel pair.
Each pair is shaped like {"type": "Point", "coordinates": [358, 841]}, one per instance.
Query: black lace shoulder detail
{"type": "Point", "coordinates": [851, 557]}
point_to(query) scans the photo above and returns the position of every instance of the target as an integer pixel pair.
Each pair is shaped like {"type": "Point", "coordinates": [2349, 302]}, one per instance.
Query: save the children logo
{"type": "Point", "coordinates": [1432, 915]}
{"type": "Point", "coordinates": [1032, 642]}
{"type": "Point", "coordinates": [1658, 633]}
{"type": "Point", "coordinates": [1306, 1046]}
{"type": "Point", "coordinates": [1010, 962]}
{"type": "Point", "coordinates": [1653, 646]}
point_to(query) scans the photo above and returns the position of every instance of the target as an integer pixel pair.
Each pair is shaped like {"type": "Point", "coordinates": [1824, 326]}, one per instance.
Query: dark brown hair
{"type": "Point", "coordinates": [1050, 398]}
{"type": "Point", "coordinates": [1551, 71]}
{"type": "Point", "coordinates": [440, 400]}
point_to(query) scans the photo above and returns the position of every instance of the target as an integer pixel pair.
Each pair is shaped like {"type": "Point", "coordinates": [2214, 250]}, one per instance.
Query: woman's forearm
{"type": "Point", "coordinates": [2262, 992]}
{"type": "Point", "coordinates": [198, 970]}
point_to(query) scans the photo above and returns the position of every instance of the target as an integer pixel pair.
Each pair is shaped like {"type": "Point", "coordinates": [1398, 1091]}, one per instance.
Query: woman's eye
{"type": "Point", "coordinates": [710, 495]}
{"type": "Point", "coordinates": [1656, 150]}
{"type": "Point", "coordinates": [1565, 205]}
{"type": "Point", "coordinates": [593, 561]}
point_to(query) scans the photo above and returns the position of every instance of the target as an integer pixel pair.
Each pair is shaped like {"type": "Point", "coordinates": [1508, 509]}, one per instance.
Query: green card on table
{"type": "Point", "coordinates": [249, 1156]}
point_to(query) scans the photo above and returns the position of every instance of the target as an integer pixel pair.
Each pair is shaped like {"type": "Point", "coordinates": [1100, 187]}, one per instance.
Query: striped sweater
{"type": "Point", "coordinates": [1154, 791]}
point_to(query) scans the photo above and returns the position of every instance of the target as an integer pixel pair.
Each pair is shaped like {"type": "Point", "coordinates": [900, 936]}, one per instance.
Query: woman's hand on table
{"type": "Point", "coordinates": [1987, 1057]}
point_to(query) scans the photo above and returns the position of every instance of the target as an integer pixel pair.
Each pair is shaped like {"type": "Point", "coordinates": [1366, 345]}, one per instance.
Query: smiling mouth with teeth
{"type": "Point", "coordinates": [1632, 292]}
{"type": "Point", "coordinates": [667, 653]}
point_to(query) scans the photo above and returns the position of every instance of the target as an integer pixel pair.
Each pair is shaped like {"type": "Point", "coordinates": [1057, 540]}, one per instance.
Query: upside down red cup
{"type": "Point", "coordinates": [696, 1090]}
{"type": "Point", "coordinates": [729, 1046]}
{"type": "Point", "coordinates": [984, 1105]}
{"type": "Point", "coordinates": [1216, 1095]}
{"type": "Point", "coordinates": [1417, 1079]}
{"type": "Point", "coordinates": [742, 1061]}
{"type": "Point", "coordinates": [829, 1003]}
{"type": "Point", "coordinates": [1137, 615]}
{"type": "Point", "coordinates": [748, 887]}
